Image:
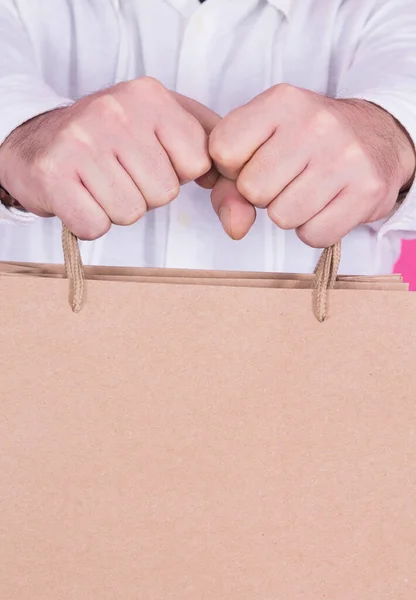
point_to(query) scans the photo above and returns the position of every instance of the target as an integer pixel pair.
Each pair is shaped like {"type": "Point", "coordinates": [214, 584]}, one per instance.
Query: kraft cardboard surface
{"type": "Point", "coordinates": [182, 442]}
{"type": "Point", "coordinates": [217, 278]}
{"type": "Point", "coordinates": [94, 271]}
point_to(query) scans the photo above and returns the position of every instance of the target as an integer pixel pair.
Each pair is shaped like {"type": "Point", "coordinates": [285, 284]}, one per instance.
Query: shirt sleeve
{"type": "Point", "coordinates": [383, 71]}
{"type": "Point", "coordinates": [23, 93]}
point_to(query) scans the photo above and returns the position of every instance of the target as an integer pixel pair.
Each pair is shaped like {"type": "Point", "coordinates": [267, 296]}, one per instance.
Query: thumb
{"type": "Point", "coordinates": [208, 120]}
{"type": "Point", "coordinates": [236, 213]}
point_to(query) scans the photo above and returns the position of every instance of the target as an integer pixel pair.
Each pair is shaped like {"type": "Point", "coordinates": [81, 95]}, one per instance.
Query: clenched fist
{"type": "Point", "coordinates": [109, 157]}
{"type": "Point", "coordinates": [320, 166]}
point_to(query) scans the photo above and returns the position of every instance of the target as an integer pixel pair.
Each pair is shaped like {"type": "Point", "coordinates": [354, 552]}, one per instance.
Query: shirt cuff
{"type": "Point", "coordinates": [23, 97]}
{"type": "Point", "coordinates": [403, 219]}
{"type": "Point", "coordinates": [15, 215]}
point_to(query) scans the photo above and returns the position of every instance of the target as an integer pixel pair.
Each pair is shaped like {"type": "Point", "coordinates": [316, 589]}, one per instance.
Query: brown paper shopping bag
{"type": "Point", "coordinates": [179, 440]}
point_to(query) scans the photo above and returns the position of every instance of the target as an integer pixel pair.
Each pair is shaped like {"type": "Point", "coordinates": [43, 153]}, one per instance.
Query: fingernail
{"type": "Point", "coordinates": [212, 176]}
{"type": "Point", "coordinates": [225, 218]}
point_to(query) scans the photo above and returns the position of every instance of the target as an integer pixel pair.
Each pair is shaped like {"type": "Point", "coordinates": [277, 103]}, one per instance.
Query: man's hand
{"type": "Point", "coordinates": [110, 157]}
{"type": "Point", "coordinates": [320, 166]}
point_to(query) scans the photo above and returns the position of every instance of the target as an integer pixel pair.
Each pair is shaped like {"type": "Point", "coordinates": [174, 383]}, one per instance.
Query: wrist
{"type": "Point", "coordinates": [398, 142]}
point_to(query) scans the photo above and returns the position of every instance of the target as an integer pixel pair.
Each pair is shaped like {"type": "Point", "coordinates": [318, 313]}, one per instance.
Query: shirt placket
{"type": "Point", "coordinates": [186, 243]}
{"type": "Point", "coordinates": [182, 244]}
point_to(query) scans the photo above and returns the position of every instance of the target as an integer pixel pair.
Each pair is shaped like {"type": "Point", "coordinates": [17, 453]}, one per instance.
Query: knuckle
{"type": "Point", "coordinates": [289, 95]}
{"type": "Point", "coordinates": [146, 86]}
{"type": "Point", "coordinates": [151, 83]}
{"type": "Point", "coordinates": [75, 136]}
{"type": "Point", "coordinates": [221, 151]}
{"type": "Point", "coordinates": [324, 122]}
{"type": "Point", "coordinates": [194, 169]}
{"type": "Point", "coordinates": [164, 197]}
{"type": "Point", "coordinates": [91, 230]}
{"type": "Point", "coordinates": [354, 154]}
{"type": "Point", "coordinates": [375, 188]}
{"type": "Point", "coordinates": [285, 90]}
{"type": "Point", "coordinates": [107, 107]}
{"type": "Point", "coordinates": [44, 167]}
{"type": "Point", "coordinates": [279, 219]}
{"type": "Point", "coordinates": [250, 190]}
{"type": "Point", "coordinates": [126, 217]}
{"type": "Point", "coordinates": [169, 195]}
{"type": "Point", "coordinates": [313, 238]}
{"type": "Point", "coordinates": [215, 144]}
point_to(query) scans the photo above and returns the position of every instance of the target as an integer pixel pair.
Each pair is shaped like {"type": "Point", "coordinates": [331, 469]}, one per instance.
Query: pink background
{"type": "Point", "coordinates": [407, 263]}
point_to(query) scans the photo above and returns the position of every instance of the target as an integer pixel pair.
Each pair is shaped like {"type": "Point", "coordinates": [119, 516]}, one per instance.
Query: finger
{"type": "Point", "coordinates": [236, 214]}
{"type": "Point", "coordinates": [77, 209]}
{"type": "Point", "coordinates": [209, 180]}
{"type": "Point", "coordinates": [208, 120]}
{"type": "Point", "coordinates": [38, 207]}
{"type": "Point", "coordinates": [238, 136]}
{"type": "Point", "coordinates": [151, 171]}
{"type": "Point", "coordinates": [186, 144]}
{"type": "Point", "coordinates": [272, 168]}
{"type": "Point", "coordinates": [24, 195]}
{"type": "Point", "coordinates": [335, 221]}
{"type": "Point", "coordinates": [305, 197]}
{"type": "Point", "coordinates": [113, 189]}
{"type": "Point", "coordinates": [204, 115]}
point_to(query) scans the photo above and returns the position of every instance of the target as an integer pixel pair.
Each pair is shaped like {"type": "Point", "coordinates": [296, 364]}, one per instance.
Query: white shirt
{"type": "Point", "coordinates": [222, 53]}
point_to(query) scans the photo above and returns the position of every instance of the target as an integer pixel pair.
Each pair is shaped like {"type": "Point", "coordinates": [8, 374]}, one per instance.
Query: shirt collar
{"type": "Point", "coordinates": [186, 6]}
{"type": "Point", "coordinates": [282, 5]}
